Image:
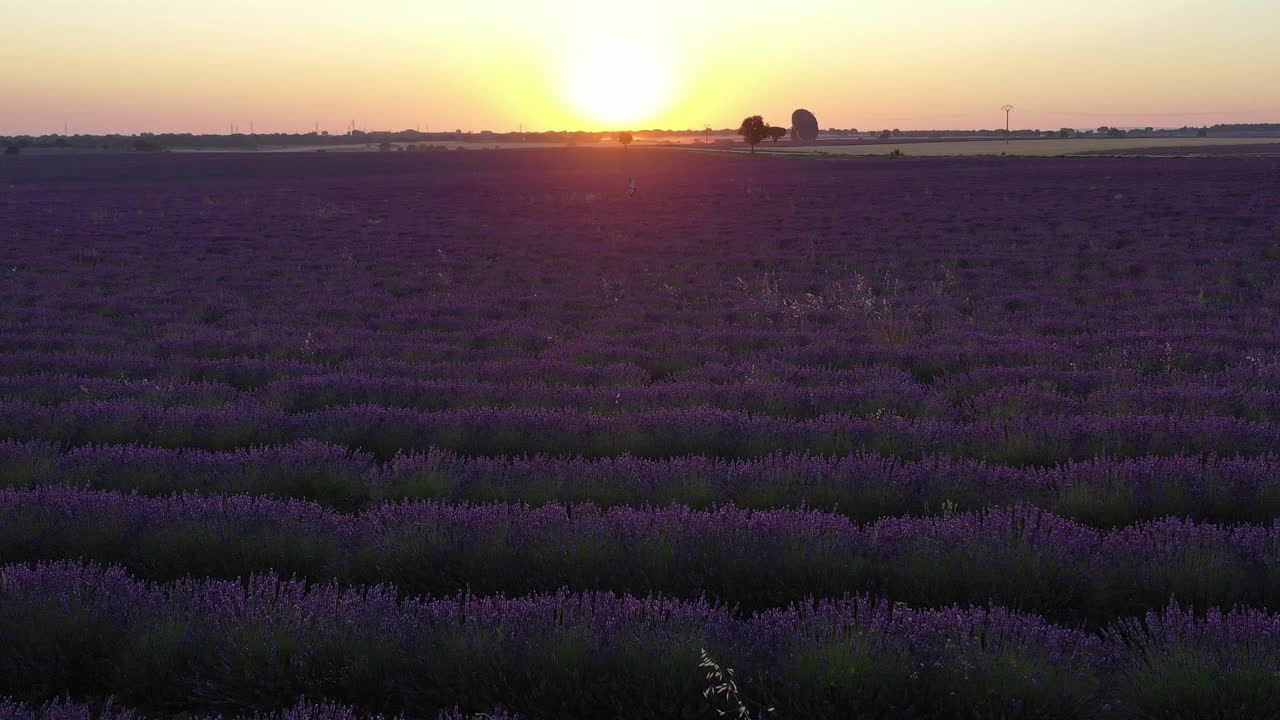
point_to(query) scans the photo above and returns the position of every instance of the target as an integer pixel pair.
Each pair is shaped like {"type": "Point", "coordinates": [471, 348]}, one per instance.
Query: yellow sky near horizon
{"type": "Point", "coordinates": [148, 65]}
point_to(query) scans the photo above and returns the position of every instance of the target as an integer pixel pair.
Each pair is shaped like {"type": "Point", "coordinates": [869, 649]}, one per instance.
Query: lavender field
{"type": "Point", "coordinates": [323, 437]}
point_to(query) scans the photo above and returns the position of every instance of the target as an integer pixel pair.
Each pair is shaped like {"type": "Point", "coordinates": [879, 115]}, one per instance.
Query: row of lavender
{"type": "Point", "coordinates": [62, 709]}
{"type": "Point", "coordinates": [1101, 492]}
{"type": "Point", "coordinates": [206, 645]}
{"type": "Point", "coordinates": [561, 281]}
{"type": "Point", "coordinates": [781, 399]}
{"type": "Point", "coordinates": [1018, 557]}
{"type": "Point", "coordinates": [926, 354]}
{"type": "Point", "coordinates": [1258, 370]}
{"type": "Point", "coordinates": [1035, 440]}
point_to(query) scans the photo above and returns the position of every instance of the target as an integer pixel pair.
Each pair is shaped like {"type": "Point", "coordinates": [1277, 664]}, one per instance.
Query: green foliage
{"type": "Point", "coordinates": [52, 649]}
{"type": "Point", "coordinates": [1193, 682]}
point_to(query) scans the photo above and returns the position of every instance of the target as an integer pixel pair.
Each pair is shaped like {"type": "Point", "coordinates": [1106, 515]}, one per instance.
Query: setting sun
{"type": "Point", "coordinates": [621, 85]}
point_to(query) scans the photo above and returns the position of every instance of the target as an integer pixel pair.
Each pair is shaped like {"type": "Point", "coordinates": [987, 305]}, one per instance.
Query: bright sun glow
{"type": "Point", "coordinates": [620, 85]}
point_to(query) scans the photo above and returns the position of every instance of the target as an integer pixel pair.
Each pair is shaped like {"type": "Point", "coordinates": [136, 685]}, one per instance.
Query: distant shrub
{"type": "Point", "coordinates": [385, 147]}
{"type": "Point", "coordinates": [147, 146]}
{"type": "Point", "coordinates": [625, 139]}
{"type": "Point", "coordinates": [897, 153]}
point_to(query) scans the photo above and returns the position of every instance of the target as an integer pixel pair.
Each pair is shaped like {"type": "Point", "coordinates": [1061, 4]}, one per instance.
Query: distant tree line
{"type": "Point", "coordinates": [754, 130]}
{"type": "Point", "coordinates": [245, 141]}
{"type": "Point", "coordinates": [151, 142]}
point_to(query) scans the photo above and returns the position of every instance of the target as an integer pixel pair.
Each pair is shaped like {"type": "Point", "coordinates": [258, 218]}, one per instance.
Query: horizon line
{"type": "Point", "coordinates": [695, 131]}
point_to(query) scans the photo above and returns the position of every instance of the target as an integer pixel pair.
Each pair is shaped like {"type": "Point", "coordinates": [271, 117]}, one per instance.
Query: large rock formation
{"type": "Point", "coordinates": [804, 126]}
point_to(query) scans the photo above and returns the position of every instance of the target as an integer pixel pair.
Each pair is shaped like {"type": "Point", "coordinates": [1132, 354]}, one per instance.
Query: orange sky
{"type": "Point", "coordinates": [147, 65]}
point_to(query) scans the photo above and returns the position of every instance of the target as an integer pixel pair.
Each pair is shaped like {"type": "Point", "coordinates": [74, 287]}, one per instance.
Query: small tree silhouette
{"type": "Point", "coordinates": [625, 139]}
{"type": "Point", "coordinates": [753, 131]}
{"type": "Point", "coordinates": [777, 133]}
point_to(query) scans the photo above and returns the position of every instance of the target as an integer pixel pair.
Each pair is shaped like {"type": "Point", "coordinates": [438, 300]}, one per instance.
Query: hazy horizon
{"type": "Point", "coordinates": [105, 66]}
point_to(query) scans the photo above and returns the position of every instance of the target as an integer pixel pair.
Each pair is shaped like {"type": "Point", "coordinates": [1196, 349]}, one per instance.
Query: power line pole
{"type": "Point", "coordinates": [1007, 109]}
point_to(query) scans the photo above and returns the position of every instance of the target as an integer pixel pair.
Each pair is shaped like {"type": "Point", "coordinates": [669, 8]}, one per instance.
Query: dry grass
{"type": "Point", "coordinates": [1016, 147]}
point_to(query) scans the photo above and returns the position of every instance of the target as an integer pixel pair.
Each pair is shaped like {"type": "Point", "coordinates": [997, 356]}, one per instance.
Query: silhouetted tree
{"type": "Point", "coordinates": [753, 131]}
{"type": "Point", "coordinates": [1202, 132]}
{"type": "Point", "coordinates": [625, 139]}
{"type": "Point", "coordinates": [885, 134]}
{"type": "Point", "coordinates": [777, 133]}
